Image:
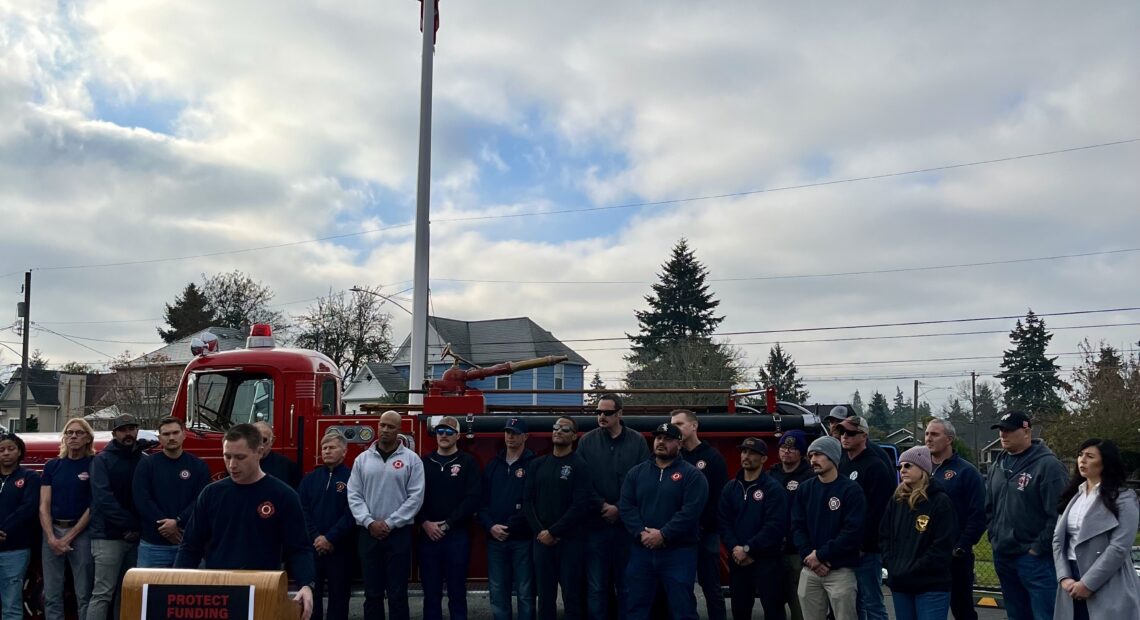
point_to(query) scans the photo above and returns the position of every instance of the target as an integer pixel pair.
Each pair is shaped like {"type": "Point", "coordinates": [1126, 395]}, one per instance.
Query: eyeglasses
{"type": "Point", "coordinates": [788, 448]}
{"type": "Point", "coordinates": [847, 433]}
{"type": "Point", "coordinates": [605, 412]}
{"type": "Point", "coordinates": [562, 428]}
{"type": "Point", "coordinates": [446, 432]}
{"type": "Point", "coordinates": [74, 433]}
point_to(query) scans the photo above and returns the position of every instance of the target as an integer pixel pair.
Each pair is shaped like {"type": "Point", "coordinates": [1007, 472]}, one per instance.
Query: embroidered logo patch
{"type": "Point", "coordinates": [341, 487]}
{"type": "Point", "coordinates": [701, 464]}
{"type": "Point", "coordinates": [84, 476]}
{"type": "Point", "coordinates": [854, 475]}
{"type": "Point", "coordinates": [949, 474]}
{"type": "Point", "coordinates": [921, 521]}
{"type": "Point", "coordinates": [397, 465]}
{"type": "Point", "coordinates": [676, 476]}
{"type": "Point", "coordinates": [455, 469]}
{"type": "Point", "coordinates": [833, 503]}
{"type": "Point", "coordinates": [758, 495]}
{"type": "Point", "coordinates": [793, 485]}
{"type": "Point", "coordinates": [1023, 480]}
{"type": "Point", "coordinates": [266, 510]}
{"type": "Point", "coordinates": [520, 473]}
{"type": "Point", "coordinates": [184, 474]}
{"type": "Point", "coordinates": [565, 471]}
{"type": "Point", "coordinates": [20, 483]}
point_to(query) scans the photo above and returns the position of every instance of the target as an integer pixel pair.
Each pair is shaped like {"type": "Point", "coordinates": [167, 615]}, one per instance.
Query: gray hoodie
{"type": "Point", "coordinates": [1021, 500]}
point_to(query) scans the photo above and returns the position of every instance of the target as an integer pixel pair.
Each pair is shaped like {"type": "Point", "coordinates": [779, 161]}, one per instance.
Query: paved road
{"type": "Point", "coordinates": [479, 608]}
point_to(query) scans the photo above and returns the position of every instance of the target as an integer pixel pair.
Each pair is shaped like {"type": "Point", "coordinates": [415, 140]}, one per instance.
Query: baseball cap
{"type": "Point", "coordinates": [856, 423]}
{"type": "Point", "coordinates": [516, 425]}
{"type": "Point", "coordinates": [838, 412]}
{"type": "Point", "coordinates": [668, 430]}
{"type": "Point", "coordinates": [125, 419]}
{"type": "Point", "coordinates": [754, 444]}
{"type": "Point", "coordinates": [1013, 420]}
{"type": "Point", "coordinates": [447, 422]}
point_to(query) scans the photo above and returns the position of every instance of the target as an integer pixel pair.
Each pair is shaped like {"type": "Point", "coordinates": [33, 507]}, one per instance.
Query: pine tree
{"type": "Point", "coordinates": [902, 413]}
{"type": "Point", "coordinates": [879, 411]}
{"type": "Point", "coordinates": [595, 384]}
{"type": "Point", "coordinates": [1030, 378]}
{"type": "Point", "coordinates": [189, 314]}
{"type": "Point", "coordinates": [857, 403]}
{"type": "Point", "coordinates": [780, 372]}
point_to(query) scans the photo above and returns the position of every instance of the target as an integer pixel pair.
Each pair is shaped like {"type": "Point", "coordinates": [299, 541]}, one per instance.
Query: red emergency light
{"type": "Point", "coordinates": [261, 329]}
{"type": "Point", "coordinates": [260, 337]}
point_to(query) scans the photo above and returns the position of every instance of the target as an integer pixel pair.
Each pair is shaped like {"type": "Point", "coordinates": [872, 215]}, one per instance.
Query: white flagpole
{"type": "Point", "coordinates": [418, 370]}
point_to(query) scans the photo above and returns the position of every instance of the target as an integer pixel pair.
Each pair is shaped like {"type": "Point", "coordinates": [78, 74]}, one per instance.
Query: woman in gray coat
{"type": "Point", "coordinates": [1093, 539]}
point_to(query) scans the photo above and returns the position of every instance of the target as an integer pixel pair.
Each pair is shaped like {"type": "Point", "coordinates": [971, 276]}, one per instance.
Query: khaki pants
{"type": "Point", "coordinates": [838, 588]}
{"type": "Point", "coordinates": [792, 566]}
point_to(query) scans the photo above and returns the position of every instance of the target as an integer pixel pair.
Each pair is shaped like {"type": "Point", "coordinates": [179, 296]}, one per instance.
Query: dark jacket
{"type": "Point", "coordinates": [791, 482]}
{"type": "Point", "coordinates": [324, 499]}
{"type": "Point", "coordinates": [1021, 500]}
{"type": "Point", "coordinates": [829, 519]}
{"type": "Point", "coordinates": [669, 499]}
{"type": "Point", "coordinates": [878, 482]}
{"type": "Point", "coordinates": [280, 467]}
{"type": "Point", "coordinates": [113, 513]}
{"type": "Point", "coordinates": [19, 509]}
{"type": "Point", "coordinates": [967, 492]}
{"type": "Point", "coordinates": [451, 492]}
{"type": "Point", "coordinates": [753, 514]}
{"type": "Point", "coordinates": [710, 463]}
{"type": "Point", "coordinates": [917, 543]}
{"type": "Point", "coordinates": [166, 488]}
{"type": "Point", "coordinates": [557, 496]}
{"type": "Point", "coordinates": [504, 487]}
{"type": "Point", "coordinates": [609, 460]}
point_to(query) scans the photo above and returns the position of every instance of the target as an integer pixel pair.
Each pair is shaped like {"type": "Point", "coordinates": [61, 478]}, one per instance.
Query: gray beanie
{"type": "Point", "coordinates": [827, 446]}
{"type": "Point", "coordinates": [920, 456]}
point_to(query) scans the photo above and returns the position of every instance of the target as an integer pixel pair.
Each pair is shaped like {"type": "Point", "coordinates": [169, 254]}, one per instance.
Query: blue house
{"type": "Point", "coordinates": [485, 343]}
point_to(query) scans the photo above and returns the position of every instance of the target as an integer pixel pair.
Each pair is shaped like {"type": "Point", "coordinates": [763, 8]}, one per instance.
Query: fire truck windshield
{"type": "Point", "coordinates": [219, 400]}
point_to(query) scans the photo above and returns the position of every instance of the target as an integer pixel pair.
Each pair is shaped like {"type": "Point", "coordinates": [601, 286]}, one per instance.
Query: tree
{"type": "Point", "coordinates": [75, 368]}
{"type": "Point", "coordinates": [595, 384]}
{"type": "Point", "coordinates": [694, 363]}
{"type": "Point", "coordinates": [189, 314]}
{"type": "Point", "coordinates": [857, 403]}
{"type": "Point", "coordinates": [37, 361]}
{"type": "Point", "coordinates": [144, 387]}
{"type": "Point", "coordinates": [879, 411]}
{"type": "Point", "coordinates": [780, 372]}
{"type": "Point", "coordinates": [1029, 377]}
{"type": "Point", "coordinates": [237, 300]}
{"type": "Point", "coordinates": [351, 330]}
{"type": "Point", "coordinates": [902, 413]}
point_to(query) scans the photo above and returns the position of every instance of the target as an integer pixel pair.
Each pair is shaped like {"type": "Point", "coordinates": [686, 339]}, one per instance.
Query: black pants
{"type": "Point", "coordinates": [763, 577]}
{"type": "Point", "coordinates": [1080, 608]}
{"type": "Point", "coordinates": [708, 575]}
{"type": "Point", "coordinates": [336, 569]}
{"type": "Point", "coordinates": [387, 566]}
{"type": "Point", "coordinates": [962, 588]}
{"type": "Point", "coordinates": [561, 565]}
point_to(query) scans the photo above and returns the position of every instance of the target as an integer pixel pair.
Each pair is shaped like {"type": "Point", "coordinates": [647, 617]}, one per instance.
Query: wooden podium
{"type": "Point", "coordinates": [173, 594]}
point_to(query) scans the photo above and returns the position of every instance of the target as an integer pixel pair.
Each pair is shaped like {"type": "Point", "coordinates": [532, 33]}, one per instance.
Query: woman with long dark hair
{"type": "Point", "coordinates": [917, 537]}
{"type": "Point", "coordinates": [1092, 542]}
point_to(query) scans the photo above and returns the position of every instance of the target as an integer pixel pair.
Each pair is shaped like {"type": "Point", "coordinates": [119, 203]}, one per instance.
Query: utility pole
{"type": "Point", "coordinates": [974, 413]}
{"type": "Point", "coordinates": [25, 311]}
{"type": "Point", "coordinates": [914, 408]}
{"type": "Point", "coordinates": [418, 366]}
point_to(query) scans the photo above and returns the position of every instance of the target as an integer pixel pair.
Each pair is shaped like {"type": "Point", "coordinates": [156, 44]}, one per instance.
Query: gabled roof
{"type": "Point", "coordinates": [43, 388]}
{"type": "Point", "coordinates": [489, 342]}
{"type": "Point", "coordinates": [178, 352]}
{"type": "Point", "coordinates": [381, 373]}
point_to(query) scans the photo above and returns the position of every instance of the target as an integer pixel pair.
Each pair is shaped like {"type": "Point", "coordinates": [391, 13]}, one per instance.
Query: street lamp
{"type": "Point", "coordinates": [357, 289]}
{"type": "Point", "coordinates": [914, 407]}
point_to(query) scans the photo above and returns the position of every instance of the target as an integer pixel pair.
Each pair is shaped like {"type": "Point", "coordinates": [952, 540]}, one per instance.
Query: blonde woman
{"type": "Point", "coordinates": [65, 509]}
{"type": "Point", "coordinates": [917, 537]}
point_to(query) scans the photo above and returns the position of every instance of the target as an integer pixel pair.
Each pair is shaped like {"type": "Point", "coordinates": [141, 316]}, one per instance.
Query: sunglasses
{"type": "Point", "coordinates": [847, 433]}
{"type": "Point", "coordinates": [446, 432]}
{"type": "Point", "coordinates": [605, 412]}
{"type": "Point", "coordinates": [903, 466]}
{"type": "Point", "coordinates": [562, 428]}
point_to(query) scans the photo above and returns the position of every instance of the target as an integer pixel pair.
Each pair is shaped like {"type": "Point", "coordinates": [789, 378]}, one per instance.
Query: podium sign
{"type": "Point", "coordinates": [196, 602]}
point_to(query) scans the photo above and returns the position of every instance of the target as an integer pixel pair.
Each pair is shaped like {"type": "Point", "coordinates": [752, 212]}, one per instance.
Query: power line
{"type": "Point", "coordinates": [657, 203]}
{"type": "Point", "coordinates": [69, 339]}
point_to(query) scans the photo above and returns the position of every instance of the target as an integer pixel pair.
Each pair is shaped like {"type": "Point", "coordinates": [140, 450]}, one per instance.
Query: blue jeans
{"type": "Point", "coordinates": [925, 606]}
{"type": "Point", "coordinates": [13, 566]}
{"type": "Point", "coordinates": [673, 570]}
{"type": "Point", "coordinates": [607, 554]}
{"type": "Point", "coordinates": [1028, 585]}
{"type": "Point", "coordinates": [445, 561]}
{"type": "Point", "coordinates": [156, 556]}
{"type": "Point", "coordinates": [510, 567]}
{"type": "Point", "coordinates": [869, 579]}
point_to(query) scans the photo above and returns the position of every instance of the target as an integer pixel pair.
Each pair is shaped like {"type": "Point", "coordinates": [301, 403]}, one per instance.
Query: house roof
{"type": "Point", "coordinates": [178, 352]}
{"type": "Point", "coordinates": [43, 388]}
{"type": "Point", "coordinates": [489, 342]}
{"type": "Point", "coordinates": [374, 380]}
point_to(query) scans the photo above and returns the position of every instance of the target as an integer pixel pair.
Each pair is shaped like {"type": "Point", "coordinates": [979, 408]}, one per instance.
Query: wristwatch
{"type": "Point", "coordinates": [443, 528]}
{"type": "Point", "coordinates": [746, 548]}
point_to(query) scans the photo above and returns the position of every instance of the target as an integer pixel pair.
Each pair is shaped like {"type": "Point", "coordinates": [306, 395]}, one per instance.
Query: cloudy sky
{"type": "Point", "coordinates": [143, 144]}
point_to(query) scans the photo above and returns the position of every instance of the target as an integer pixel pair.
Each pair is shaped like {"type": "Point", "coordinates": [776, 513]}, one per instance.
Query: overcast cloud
{"type": "Point", "coordinates": [136, 130]}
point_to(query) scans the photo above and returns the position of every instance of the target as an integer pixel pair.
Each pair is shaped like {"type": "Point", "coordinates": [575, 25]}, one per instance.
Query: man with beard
{"type": "Point", "coordinates": [324, 498]}
{"type": "Point", "coordinates": [753, 517]}
{"type": "Point", "coordinates": [165, 487]}
{"type": "Point", "coordinates": [708, 460]}
{"type": "Point", "coordinates": [827, 527]}
{"type": "Point", "coordinates": [557, 504]}
{"type": "Point", "coordinates": [385, 491]}
{"type": "Point", "coordinates": [114, 521]}
{"type": "Point", "coordinates": [791, 470]}
{"type": "Point", "coordinates": [878, 483]}
{"type": "Point", "coordinates": [510, 567]}
{"type": "Point", "coordinates": [609, 451]}
{"type": "Point", "coordinates": [661, 505]}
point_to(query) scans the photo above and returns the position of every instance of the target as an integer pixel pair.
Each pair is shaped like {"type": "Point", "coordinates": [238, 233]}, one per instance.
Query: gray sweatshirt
{"type": "Point", "coordinates": [386, 490]}
{"type": "Point", "coordinates": [1021, 500]}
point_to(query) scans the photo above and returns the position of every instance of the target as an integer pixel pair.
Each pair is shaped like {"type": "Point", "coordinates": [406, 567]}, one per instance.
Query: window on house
{"type": "Point", "coordinates": [559, 377]}
{"type": "Point", "coordinates": [503, 382]}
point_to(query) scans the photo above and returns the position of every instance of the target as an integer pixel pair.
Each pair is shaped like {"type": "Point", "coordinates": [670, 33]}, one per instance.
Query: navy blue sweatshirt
{"type": "Point", "coordinates": [70, 482]}
{"type": "Point", "coordinates": [829, 518]}
{"type": "Point", "coordinates": [670, 499]}
{"type": "Point", "coordinates": [878, 482]}
{"type": "Point", "coordinates": [917, 543]}
{"type": "Point", "coordinates": [707, 459]}
{"type": "Point", "coordinates": [19, 509]}
{"type": "Point", "coordinates": [324, 498]}
{"type": "Point", "coordinates": [166, 488]}
{"type": "Point", "coordinates": [248, 527]}
{"type": "Point", "coordinates": [504, 487]}
{"type": "Point", "coordinates": [558, 495]}
{"type": "Point", "coordinates": [280, 467]}
{"type": "Point", "coordinates": [753, 514]}
{"type": "Point", "coordinates": [790, 482]}
{"type": "Point", "coordinates": [451, 491]}
{"type": "Point", "coordinates": [967, 492]}
{"type": "Point", "coordinates": [113, 513]}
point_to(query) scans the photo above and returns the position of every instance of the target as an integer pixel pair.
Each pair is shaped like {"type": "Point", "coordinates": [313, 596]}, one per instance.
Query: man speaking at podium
{"type": "Point", "coordinates": [249, 520]}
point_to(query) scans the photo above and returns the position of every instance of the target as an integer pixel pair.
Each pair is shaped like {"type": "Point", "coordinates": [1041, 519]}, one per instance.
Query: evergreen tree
{"type": "Point", "coordinates": [37, 361]}
{"type": "Point", "coordinates": [1106, 404]}
{"type": "Point", "coordinates": [595, 384]}
{"type": "Point", "coordinates": [1029, 377]}
{"type": "Point", "coordinates": [189, 314]}
{"type": "Point", "coordinates": [857, 403]}
{"type": "Point", "coordinates": [902, 414]}
{"type": "Point", "coordinates": [879, 411]}
{"type": "Point", "coordinates": [780, 372]}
